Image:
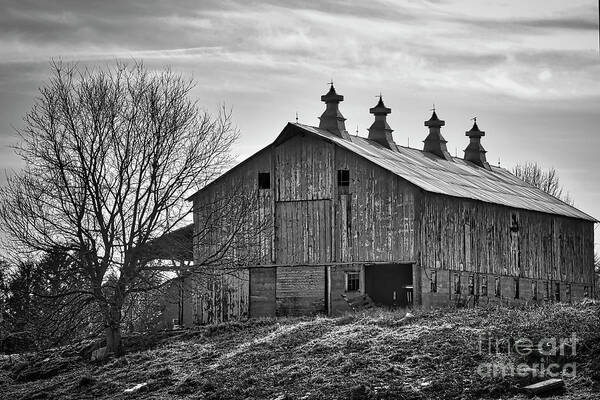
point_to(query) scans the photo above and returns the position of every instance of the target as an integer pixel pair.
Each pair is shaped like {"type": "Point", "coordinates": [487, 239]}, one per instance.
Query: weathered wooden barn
{"type": "Point", "coordinates": [350, 216]}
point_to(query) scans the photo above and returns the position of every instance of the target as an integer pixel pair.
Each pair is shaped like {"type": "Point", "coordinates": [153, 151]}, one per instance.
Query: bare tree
{"type": "Point", "coordinates": [547, 181]}
{"type": "Point", "coordinates": [110, 156]}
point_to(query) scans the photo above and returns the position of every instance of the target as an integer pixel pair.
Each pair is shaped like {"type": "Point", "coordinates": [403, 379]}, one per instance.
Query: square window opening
{"type": "Point", "coordinates": [456, 283]}
{"type": "Point", "coordinates": [264, 180]}
{"type": "Point", "coordinates": [343, 178]}
{"type": "Point", "coordinates": [433, 281]}
{"type": "Point", "coordinates": [352, 281]}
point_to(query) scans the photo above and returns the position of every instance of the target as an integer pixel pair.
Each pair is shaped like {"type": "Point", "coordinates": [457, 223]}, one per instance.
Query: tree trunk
{"type": "Point", "coordinates": [113, 340]}
{"type": "Point", "coordinates": [112, 331]}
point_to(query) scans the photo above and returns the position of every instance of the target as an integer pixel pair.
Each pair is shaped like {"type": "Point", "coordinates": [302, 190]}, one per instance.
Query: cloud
{"type": "Point", "coordinates": [574, 23]}
{"type": "Point", "coordinates": [545, 75]}
{"type": "Point", "coordinates": [418, 43]}
{"type": "Point", "coordinates": [518, 26]}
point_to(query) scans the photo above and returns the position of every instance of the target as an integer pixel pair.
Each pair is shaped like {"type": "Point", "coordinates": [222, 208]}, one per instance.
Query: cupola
{"type": "Point", "coordinates": [380, 131]}
{"type": "Point", "coordinates": [475, 152]}
{"type": "Point", "coordinates": [332, 119]}
{"type": "Point", "coordinates": [435, 143]}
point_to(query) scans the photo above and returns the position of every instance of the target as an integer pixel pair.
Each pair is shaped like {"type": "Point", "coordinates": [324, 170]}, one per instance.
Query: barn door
{"type": "Point", "coordinates": [303, 231]}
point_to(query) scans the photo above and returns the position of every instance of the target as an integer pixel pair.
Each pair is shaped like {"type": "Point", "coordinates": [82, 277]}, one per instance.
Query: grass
{"type": "Point", "coordinates": [372, 355]}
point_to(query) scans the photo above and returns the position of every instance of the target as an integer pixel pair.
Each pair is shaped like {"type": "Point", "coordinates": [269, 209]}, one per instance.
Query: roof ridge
{"type": "Point", "coordinates": [485, 185]}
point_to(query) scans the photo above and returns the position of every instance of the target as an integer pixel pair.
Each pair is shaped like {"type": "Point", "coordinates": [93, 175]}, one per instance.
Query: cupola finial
{"type": "Point", "coordinates": [332, 119]}
{"type": "Point", "coordinates": [475, 152]}
{"type": "Point", "coordinates": [380, 131]}
{"type": "Point", "coordinates": [435, 143]}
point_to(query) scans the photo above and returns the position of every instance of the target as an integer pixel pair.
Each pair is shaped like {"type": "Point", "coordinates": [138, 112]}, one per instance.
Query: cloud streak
{"type": "Point", "coordinates": [271, 58]}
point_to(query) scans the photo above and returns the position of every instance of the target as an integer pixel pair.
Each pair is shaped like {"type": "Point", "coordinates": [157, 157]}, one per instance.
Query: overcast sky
{"type": "Point", "coordinates": [529, 70]}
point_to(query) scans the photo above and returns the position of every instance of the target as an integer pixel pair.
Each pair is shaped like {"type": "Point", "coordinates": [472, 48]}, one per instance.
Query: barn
{"type": "Point", "coordinates": [334, 219]}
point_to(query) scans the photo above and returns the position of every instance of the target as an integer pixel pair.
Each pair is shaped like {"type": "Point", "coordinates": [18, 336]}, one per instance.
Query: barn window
{"type": "Point", "coordinates": [484, 291]}
{"type": "Point", "coordinates": [471, 284]}
{"type": "Point", "coordinates": [557, 292]}
{"type": "Point", "coordinates": [517, 288]}
{"type": "Point", "coordinates": [352, 281]}
{"type": "Point", "coordinates": [343, 181]}
{"type": "Point", "coordinates": [514, 222]}
{"type": "Point", "coordinates": [343, 178]}
{"type": "Point", "coordinates": [264, 180]}
{"type": "Point", "coordinates": [497, 286]}
{"type": "Point", "coordinates": [534, 290]}
{"type": "Point", "coordinates": [433, 281]}
{"type": "Point", "coordinates": [457, 283]}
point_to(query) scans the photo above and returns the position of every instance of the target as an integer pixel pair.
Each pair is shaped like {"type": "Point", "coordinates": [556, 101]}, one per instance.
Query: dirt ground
{"type": "Point", "coordinates": [441, 354]}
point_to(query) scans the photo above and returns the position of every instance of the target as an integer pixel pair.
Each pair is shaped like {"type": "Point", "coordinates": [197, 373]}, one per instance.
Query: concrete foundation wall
{"type": "Point", "coordinates": [300, 290]}
{"type": "Point", "coordinates": [447, 283]}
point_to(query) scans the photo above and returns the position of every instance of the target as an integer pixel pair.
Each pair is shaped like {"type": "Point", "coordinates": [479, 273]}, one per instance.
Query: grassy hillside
{"type": "Point", "coordinates": [373, 355]}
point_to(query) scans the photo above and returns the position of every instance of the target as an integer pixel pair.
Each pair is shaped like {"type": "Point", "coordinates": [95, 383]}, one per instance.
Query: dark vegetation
{"type": "Point", "coordinates": [374, 355]}
{"type": "Point", "coordinates": [42, 308]}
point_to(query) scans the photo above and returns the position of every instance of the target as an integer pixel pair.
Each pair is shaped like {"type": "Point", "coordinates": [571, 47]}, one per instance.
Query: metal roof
{"type": "Point", "coordinates": [458, 178]}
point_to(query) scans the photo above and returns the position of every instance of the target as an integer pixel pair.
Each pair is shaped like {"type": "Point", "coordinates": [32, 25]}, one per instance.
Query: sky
{"type": "Point", "coordinates": [529, 70]}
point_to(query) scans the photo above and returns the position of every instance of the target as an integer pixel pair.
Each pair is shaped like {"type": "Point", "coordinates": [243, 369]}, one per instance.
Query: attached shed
{"type": "Point", "coordinates": [344, 216]}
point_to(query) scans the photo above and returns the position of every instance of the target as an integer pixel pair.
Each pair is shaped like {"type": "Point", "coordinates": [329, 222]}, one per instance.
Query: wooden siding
{"type": "Point", "coordinates": [375, 221]}
{"type": "Point", "coordinates": [303, 168]}
{"type": "Point", "coordinates": [221, 294]}
{"type": "Point", "coordinates": [303, 232]}
{"type": "Point", "coordinates": [218, 210]}
{"type": "Point", "coordinates": [463, 235]}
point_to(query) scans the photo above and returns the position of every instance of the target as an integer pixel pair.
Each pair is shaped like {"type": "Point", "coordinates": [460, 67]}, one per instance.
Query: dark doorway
{"type": "Point", "coordinates": [262, 292]}
{"type": "Point", "coordinates": [390, 284]}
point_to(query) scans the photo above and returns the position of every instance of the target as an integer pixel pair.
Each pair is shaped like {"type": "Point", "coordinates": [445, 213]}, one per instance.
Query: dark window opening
{"type": "Point", "coordinates": [557, 292]}
{"type": "Point", "coordinates": [534, 290]}
{"type": "Point", "coordinates": [484, 291]}
{"type": "Point", "coordinates": [264, 180]}
{"type": "Point", "coordinates": [457, 283]}
{"type": "Point", "coordinates": [343, 177]}
{"type": "Point", "coordinates": [352, 281]}
{"type": "Point", "coordinates": [517, 288]}
{"type": "Point", "coordinates": [433, 281]}
{"type": "Point", "coordinates": [497, 286]}
{"type": "Point", "coordinates": [343, 181]}
{"type": "Point", "coordinates": [471, 284]}
{"type": "Point", "coordinates": [514, 224]}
